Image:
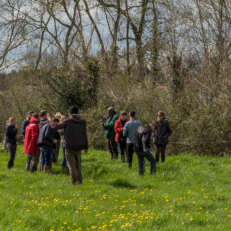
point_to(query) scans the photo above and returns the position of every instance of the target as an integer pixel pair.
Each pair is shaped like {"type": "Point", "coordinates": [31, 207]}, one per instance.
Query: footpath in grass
{"type": "Point", "coordinates": [186, 193]}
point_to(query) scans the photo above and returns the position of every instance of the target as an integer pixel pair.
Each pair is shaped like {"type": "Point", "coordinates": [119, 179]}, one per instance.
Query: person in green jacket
{"type": "Point", "coordinates": [110, 133]}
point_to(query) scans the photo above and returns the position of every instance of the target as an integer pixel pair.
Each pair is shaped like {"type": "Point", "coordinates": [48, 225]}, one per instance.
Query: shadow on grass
{"type": "Point", "coordinates": [121, 183]}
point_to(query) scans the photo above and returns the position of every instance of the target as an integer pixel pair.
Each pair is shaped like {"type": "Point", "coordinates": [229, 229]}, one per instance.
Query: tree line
{"type": "Point", "coordinates": [144, 55]}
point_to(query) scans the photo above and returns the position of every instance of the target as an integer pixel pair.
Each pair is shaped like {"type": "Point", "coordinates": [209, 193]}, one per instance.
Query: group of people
{"type": "Point", "coordinates": [131, 136]}
{"type": "Point", "coordinates": [43, 135]}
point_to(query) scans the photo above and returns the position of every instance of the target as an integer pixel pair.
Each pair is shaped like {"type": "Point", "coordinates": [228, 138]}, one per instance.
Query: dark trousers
{"type": "Point", "coordinates": [12, 151]}
{"type": "Point", "coordinates": [122, 147]}
{"type": "Point", "coordinates": [34, 162]}
{"type": "Point", "coordinates": [130, 152]}
{"type": "Point", "coordinates": [113, 147]}
{"type": "Point", "coordinates": [160, 149]}
{"type": "Point", "coordinates": [148, 155]}
{"type": "Point", "coordinates": [46, 155]}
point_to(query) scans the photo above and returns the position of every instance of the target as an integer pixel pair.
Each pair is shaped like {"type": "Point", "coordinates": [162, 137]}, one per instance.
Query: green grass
{"type": "Point", "coordinates": [186, 193]}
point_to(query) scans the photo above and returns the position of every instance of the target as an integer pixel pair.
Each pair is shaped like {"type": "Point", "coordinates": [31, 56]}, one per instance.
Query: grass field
{"type": "Point", "coordinates": [186, 193]}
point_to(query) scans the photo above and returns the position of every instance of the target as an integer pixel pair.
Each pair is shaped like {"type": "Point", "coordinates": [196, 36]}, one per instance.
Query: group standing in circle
{"type": "Point", "coordinates": [43, 135]}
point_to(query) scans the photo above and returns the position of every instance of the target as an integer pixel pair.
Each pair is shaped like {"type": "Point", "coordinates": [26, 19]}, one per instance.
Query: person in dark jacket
{"type": "Point", "coordinates": [142, 147]}
{"type": "Point", "coordinates": [45, 141]}
{"type": "Point", "coordinates": [75, 140]}
{"type": "Point", "coordinates": [160, 137]}
{"type": "Point", "coordinates": [120, 138]}
{"type": "Point", "coordinates": [25, 123]}
{"type": "Point", "coordinates": [110, 133]}
{"type": "Point", "coordinates": [11, 133]}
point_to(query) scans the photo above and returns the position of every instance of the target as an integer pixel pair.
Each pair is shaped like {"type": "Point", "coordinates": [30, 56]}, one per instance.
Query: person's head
{"type": "Point", "coordinates": [153, 126]}
{"type": "Point", "coordinates": [43, 114]}
{"type": "Point", "coordinates": [110, 111]}
{"type": "Point", "coordinates": [132, 114]}
{"type": "Point", "coordinates": [29, 115]}
{"type": "Point", "coordinates": [7, 122]}
{"type": "Point", "coordinates": [62, 118]}
{"type": "Point", "coordinates": [36, 116]}
{"type": "Point", "coordinates": [55, 120]}
{"type": "Point", "coordinates": [161, 115]}
{"type": "Point", "coordinates": [123, 115]}
{"type": "Point", "coordinates": [74, 110]}
{"type": "Point", "coordinates": [12, 120]}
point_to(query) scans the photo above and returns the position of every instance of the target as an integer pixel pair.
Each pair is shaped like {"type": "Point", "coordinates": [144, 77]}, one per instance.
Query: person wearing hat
{"type": "Point", "coordinates": [110, 133]}
{"type": "Point", "coordinates": [75, 140]}
{"type": "Point", "coordinates": [25, 123]}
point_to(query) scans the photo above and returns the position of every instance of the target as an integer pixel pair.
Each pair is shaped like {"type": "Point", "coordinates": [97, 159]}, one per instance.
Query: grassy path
{"type": "Point", "coordinates": [186, 193]}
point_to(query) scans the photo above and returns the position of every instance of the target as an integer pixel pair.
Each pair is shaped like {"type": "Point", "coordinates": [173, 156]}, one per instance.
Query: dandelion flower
{"type": "Point", "coordinates": [191, 219]}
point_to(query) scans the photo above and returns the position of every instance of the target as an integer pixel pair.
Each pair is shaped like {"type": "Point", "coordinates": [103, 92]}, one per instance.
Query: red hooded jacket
{"type": "Point", "coordinates": [119, 128]}
{"type": "Point", "coordinates": [31, 137]}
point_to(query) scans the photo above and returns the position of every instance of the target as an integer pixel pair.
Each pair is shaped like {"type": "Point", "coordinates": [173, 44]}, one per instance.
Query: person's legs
{"type": "Point", "coordinates": [140, 162]}
{"type": "Point", "coordinates": [34, 163]}
{"type": "Point", "coordinates": [57, 151]}
{"type": "Point", "coordinates": [148, 155]}
{"type": "Point", "coordinates": [12, 150]}
{"type": "Point", "coordinates": [64, 161]}
{"type": "Point", "coordinates": [73, 162]}
{"type": "Point", "coordinates": [110, 148]}
{"type": "Point", "coordinates": [157, 152]}
{"type": "Point", "coordinates": [163, 148]}
{"type": "Point", "coordinates": [48, 157]}
{"type": "Point", "coordinates": [42, 159]}
{"type": "Point", "coordinates": [78, 167]}
{"type": "Point", "coordinates": [122, 147]}
{"type": "Point", "coordinates": [130, 151]}
{"type": "Point", "coordinates": [29, 157]}
{"type": "Point", "coordinates": [114, 147]}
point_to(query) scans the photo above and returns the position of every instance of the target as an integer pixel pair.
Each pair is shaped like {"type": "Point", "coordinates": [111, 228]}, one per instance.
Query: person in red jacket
{"type": "Point", "coordinates": [31, 143]}
{"type": "Point", "coordinates": [120, 138]}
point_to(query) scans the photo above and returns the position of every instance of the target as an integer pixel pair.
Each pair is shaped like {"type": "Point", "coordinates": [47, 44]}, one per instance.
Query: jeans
{"type": "Point", "coordinates": [113, 147]}
{"type": "Point", "coordinates": [122, 147]}
{"type": "Point", "coordinates": [46, 155]}
{"type": "Point", "coordinates": [12, 151]}
{"type": "Point", "coordinates": [148, 155]}
{"type": "Point", "coordinates": [130, 151]}
{"type": "Point", "coordinates": [74, 164]}
{"type": "Point", "coordinates": [160, 149]}
{"type": "Point", "coordinates": [64, 161]}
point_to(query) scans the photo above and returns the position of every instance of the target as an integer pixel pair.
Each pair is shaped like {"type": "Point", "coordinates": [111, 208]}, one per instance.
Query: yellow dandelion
{"type": "Point", "coordinates": [191, 219]}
